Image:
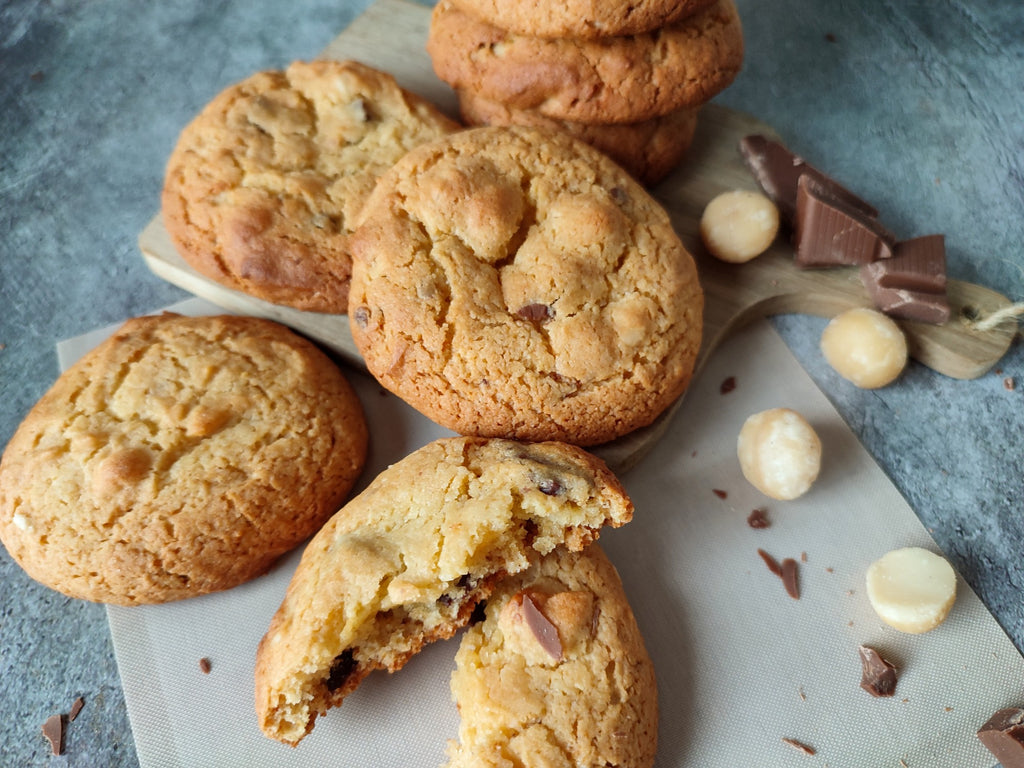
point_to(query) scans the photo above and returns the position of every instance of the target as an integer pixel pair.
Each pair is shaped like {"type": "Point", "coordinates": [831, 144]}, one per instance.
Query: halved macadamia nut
{"type": "Point", "coordinates": [911, 589]}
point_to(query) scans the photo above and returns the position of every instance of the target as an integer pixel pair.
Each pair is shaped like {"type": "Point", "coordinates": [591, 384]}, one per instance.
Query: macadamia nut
{"type": "Point", "coordinates": [779, 453]}
{"type": "Point", "coordinates": [911, 589]}
{"type": "Point", "coordinates": [739, 225]}
{"type": "Point", "coordinates": [865, 347]}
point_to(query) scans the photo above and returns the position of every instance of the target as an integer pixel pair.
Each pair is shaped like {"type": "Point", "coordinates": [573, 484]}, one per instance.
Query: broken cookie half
{"type": "Point", "coordinates": [409, 559]}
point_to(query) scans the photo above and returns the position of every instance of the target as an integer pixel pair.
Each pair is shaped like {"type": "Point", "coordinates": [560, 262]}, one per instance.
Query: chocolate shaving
{"type": "Point", "coordinates": [878, 676]}
{"type": "Point", "coordinates": [53, 730]}
{"type": "Point", "coordinates": [789, 578]}
{"type": "Point", "coordinates": [728, 385]}
{"type": "Point", "coordinates": [720, 493]}
{"type": "Point", "coordinates": [204, 666]}
{"type": "Point", "coordinates": [541, 627]}
{"type": "Point", "coordinates": [758, 518]}
{"type": "Point", "coordinates": [76, 708]}
{"type": "Point", "coordinates": [799, 746]}
{"type": "Point", "coordinates": [771, 562]}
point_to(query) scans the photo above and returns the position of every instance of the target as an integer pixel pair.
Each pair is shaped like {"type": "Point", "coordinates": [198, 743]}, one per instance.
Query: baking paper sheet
{"type": "Point", "coordinates": [740, 664]}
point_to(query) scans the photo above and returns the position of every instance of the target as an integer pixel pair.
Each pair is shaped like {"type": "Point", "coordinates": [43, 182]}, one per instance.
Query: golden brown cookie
{"type": "Point", "coordinates": [406, 562]}
{"type": "Point", "coordinates": [649, 149]}
{"type": "Point", "coordinates": [263, 186]}
{"type": "Point", "coordinates": [556, 674]}
{"type": "Point", "coordinates": [609, 80]}
{"type": "Point", "coordinates": [582, 18]}
{"type": "Point", "coordinates": [181, 456]}
{"type": "Point", "coordinates": [511, 282]}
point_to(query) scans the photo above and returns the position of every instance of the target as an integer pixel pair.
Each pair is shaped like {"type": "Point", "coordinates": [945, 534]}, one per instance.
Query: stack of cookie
{"type": "Point", "coordinates": [628, 79]}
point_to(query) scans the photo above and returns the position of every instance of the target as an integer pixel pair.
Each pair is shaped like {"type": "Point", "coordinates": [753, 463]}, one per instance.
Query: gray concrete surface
{"type": "Point", "coordinates": [919, 107]}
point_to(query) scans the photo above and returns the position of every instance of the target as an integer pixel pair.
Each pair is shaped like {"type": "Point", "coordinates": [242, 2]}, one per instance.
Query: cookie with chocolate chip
{"type": "Point", "coordinates": [556, 673]}
{"type": "Point", "coordinates": [408, 560]}
{"type": "Point", "coordinates": [263, 186]}
{"type": "Point", "coordinates": [607, 80]}
{"type": "Point", "coordinates": [512, 282]}
{"type": "Point", "coordinates": [181, 456]}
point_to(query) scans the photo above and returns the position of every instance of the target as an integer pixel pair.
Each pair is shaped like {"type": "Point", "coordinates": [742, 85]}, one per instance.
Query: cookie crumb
{"type": "Point", "coordinates": [798, 746]}
{"type": "Point", "coordinates": [53, 730]}
{"type": "Point", "coordinates": [205, 666]}
{"type": "Point", "coordinates": [1009, 383]}
{"type": "Point", "coordinates": [76, 707]}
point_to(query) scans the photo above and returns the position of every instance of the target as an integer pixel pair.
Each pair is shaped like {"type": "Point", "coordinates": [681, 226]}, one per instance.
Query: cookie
{"type": "Point", "coordinates": [557, 673]}
{"type": "Point", "coordinates": [582, 18]}
{"type": "Point", "coordinates": [406, 562]}
{"type": "Point", "coordinates": [610, 80]}
{"type": "Point", "coordinates": [512, 282]}
{"type": "Point", "coordinates": [263, 185]}
{"type": "Point", "coordinates": [181, 456]}
{"type": "Point", "coordinates": [649, 149]}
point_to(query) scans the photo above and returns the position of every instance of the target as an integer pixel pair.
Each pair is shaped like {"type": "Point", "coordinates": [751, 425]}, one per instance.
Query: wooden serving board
{"type": "Point", "coordinates": [391, 35]}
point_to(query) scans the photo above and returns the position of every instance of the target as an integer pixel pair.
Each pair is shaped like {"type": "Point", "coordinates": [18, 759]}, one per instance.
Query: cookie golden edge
{"type": "Point", "coordinates": [385, 576]}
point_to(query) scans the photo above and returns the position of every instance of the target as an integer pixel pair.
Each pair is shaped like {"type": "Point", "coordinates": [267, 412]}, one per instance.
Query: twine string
{"type": "Point", "coordinates": [988, 322]}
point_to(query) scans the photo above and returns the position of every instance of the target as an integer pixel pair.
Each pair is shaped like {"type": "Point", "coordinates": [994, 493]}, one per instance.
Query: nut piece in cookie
{"type": "Point", "coordinates": [181, 456]}
{"type": "Point", "coordinates": [263, 186]}
{"type": "Point", "coordinates": [512, 282]}
{"type": "Point", "coordinates": [570, 686]}
{"type": "Point", "coordinates": [407, 561]}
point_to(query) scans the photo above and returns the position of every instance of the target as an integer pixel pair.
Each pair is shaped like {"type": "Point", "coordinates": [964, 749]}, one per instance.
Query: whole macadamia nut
{"type": "Point", "coordinates": [779, 453]}
{"type": "Point", "coordinates": [739, 225]}
{"type": "Point", "coordinates": [865, 347]}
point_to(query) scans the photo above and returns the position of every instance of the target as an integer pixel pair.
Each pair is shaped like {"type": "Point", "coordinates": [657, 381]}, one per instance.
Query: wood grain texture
{"type": "Point", "coordinates": [389, 36]}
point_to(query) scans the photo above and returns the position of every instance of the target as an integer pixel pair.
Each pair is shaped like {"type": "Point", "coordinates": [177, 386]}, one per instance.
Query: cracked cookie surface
{"type": "Point", "coordinates": [511, 282]}
{"type": "Point", "coordinates": [582, 18]}
{"type": "Point", "coordinates": [263, 186]}
{"type": "Point", "coordinates": [556, 674]}
{"type": "Point", "coordinates": [179, 457]}
{"type": "Point", "coordinates": [406, 562]}
{"type": "Point", "coordinates": [609, 80]}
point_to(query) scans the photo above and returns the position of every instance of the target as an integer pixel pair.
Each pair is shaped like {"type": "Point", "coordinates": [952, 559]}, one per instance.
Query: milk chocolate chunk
{"type": "Point", "coordinates": [1003, 735]}
{"type": "Point", "coordinates": [831, 233]}
{"type": "Point", "coordinates": [777, 171]}
{"type": "Point", "coordinates": [878, 676]}
{"type": "Point", "coordinates": [543, 630]}
{"type": "Point", "coordinates": [53, 730]}
{"type": "Point", "coordinates": [912, 284]}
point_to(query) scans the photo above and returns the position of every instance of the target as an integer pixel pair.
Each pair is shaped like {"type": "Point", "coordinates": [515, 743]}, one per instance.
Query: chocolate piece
{"type": "Point", "coordinates": [830, 233]}
{"type": "Point", "coordinates": [536, 313]}
{"type": "Point", "coordinates": [758, 518]}
{"type": "Point", "coordinates": [912, 284]}
{"type": "Point", "coordinates": [1003, 735]}
{"type": "Point", "coordinates": [541, 627]}
{"type": "Point", "coordinates": [342, 667]}
{"type": "Point", "coordinates": [799, 746]}
{"type": "Point", "coordinates": [789, 578]}
{"type": "Point", "coordinates": [53, 730]}
{"type": "Point", "coordinates": [728, 385]}
{"type": "Point", "coordinates": [777, 171]}
{"type": "Point", "coordinates": [771, 562]}
{"type": "Point", "coordinates": [205, 666]}
{"type": "Point", "coordinates": [76, 708]}
{"type": "Point", "coordinates": [878, 676]}
{"type": "Point", "coordinates": [720, 493]}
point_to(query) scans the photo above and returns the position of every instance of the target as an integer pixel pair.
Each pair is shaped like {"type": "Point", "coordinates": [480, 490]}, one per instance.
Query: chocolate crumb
{"type": "Point", "coordinates": [720, 493]}
{"type": "Point", "coordinates": [949, 709]}
{"type": "Point", "coordinates": [789, 578]}
{"type": "Point", "coordinates": [543, 630]}
{"type": "Point", "coordinates": [771, 562]}
{"type": "Point", "coordinates": [36, 76]}
{"type": "Point", "coordinates": [803, 557]}
{"type": "Point", "coordinates": [361, 316]}
{"type": "Point", "coordinates": [53, 730]}
{"type": "Point", "coordinates": [830, 569]}
{"type": "Point", "coordinates": [342, 667]}
{"type": "Point", "coordinates": [728, 385]}
{"type": "Point", "coordinates": [619, 195]}
{"type": "Point", "coordinates": [758, 518]}
{"type": "Point", "coordinates": [878, 676]}
{"type": "Point", "coordinates": [536, 313]}
{"type": "Point", "coordinates": [76, 708]}
{"type": "Point", "coordinates": [204, 665]}
{"type": "Point", "coordinates": [1009, 383]}
{"type": "Point", "coordinates": [830, 37]}
{"type": "Point", "coordinates": [798, 746]}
